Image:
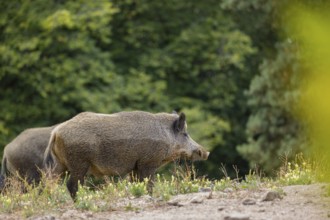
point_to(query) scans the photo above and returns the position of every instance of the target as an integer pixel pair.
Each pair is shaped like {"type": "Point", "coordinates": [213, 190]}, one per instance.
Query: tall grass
{"type": "Point", "coordinates": [301, 171]}
{"type": "Point", "coordinates": [18, 196]}
{"type": "Point", "coordinates": [51, 194]}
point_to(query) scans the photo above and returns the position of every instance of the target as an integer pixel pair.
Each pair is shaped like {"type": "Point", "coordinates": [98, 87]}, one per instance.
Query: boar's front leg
{"type": "Point", "coordinates": [147, 171]}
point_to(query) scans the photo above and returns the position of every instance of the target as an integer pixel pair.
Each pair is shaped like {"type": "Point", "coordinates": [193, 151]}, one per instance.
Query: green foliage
{"type": "Point", "coordinates": [222, 184]}
{"type": "Point", "coordinates": [86, 200]}
{"type": "Point", "coordinates": [138, 189]}
{"type": "Point", "coordinates": [299, 172]}
{"type": "Point", "coordinates": [272, 129]}
{"type": "Point", "coordinates": [180, 183]}
{"type": "Point", "coordinates": [51, 63]}
{"type": "Point", "coordinates": [59, 58]}
{"type": "Point", "coordinates": [251, 181]}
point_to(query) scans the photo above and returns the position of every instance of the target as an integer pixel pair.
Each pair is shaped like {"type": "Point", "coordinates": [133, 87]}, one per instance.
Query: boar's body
{"type": "Point", "coordinates": [117, 144]}
{"type": "Point", "coordinates": [24, 155]}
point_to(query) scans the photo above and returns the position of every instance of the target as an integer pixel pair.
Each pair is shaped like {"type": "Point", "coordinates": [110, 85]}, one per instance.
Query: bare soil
{"type": "Point", "coordinates": [293, 202]}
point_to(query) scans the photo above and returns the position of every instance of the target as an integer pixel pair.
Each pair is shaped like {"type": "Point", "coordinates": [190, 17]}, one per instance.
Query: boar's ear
{"type": "Point", "coordinates": [180, 122]}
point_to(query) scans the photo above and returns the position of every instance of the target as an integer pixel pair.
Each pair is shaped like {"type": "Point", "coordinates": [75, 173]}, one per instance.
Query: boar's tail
{"type": "Point", "coordinates": [49, 162]}
{"type": "Point", "coordinates": [3, 174]}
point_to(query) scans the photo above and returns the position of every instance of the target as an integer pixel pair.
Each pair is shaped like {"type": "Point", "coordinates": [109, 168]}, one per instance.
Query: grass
{"type": "Point", "coordinates": [51, 195]}
{"type": "Point", "coordinates": [299, 172]}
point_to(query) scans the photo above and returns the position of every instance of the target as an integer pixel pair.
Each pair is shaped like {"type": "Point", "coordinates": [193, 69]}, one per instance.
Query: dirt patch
{"type": "Point", "coordinates": [292, 202]}
{"type": "Point", "coordinates": [297, 202]}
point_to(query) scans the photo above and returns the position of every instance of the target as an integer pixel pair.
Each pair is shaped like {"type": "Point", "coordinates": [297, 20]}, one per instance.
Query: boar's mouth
{"type": "Point", "coordinates": [199, 155]}
{"type": "Point", "coordinates": [193, 156]}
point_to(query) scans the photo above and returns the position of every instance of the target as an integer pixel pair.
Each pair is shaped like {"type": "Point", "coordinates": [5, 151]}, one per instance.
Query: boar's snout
{"type": "Point", "coordinates": [200, 154]}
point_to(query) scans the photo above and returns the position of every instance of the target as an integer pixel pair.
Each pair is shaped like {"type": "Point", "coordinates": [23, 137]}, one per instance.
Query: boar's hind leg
{"type": "Point", "coordinates": [147, 172]}
{"type": "Point", "coordinates": [77, 174]}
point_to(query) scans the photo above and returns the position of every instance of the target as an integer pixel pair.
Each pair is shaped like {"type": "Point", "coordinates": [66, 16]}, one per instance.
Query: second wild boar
{"type": "Point", "coordinates": [23, 156]}
{"type": "Point", "coordinates": [116, 144]}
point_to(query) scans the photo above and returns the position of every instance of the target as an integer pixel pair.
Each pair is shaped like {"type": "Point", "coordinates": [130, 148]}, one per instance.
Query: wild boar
{"type": "Point", "coordinates": [116, 144]}
{"type": "Point", "coordinates": [24, 155]}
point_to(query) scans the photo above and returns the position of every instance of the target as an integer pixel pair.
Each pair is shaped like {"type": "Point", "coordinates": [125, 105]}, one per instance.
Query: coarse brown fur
{"type": "Point", "coordinates": [116, 144]}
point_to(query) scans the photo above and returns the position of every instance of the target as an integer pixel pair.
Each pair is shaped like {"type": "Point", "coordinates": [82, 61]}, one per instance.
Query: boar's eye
{"type": "Point", "coordinates": [185, 134]}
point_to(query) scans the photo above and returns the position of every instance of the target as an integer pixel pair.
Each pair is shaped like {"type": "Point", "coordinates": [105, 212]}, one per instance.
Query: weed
{"type": "Point", "coordinates": [298, 172]}
{"type": "Point", "coordinates": [86, 198]}
{"type": "Point", "coordinates": [222, 184]}
{"type": "Point", "coordinates": [138, 189]}
{"type": "Point", "coordinates": [252, 181]}
{"type": "Point", "coordinates": [164, 188]}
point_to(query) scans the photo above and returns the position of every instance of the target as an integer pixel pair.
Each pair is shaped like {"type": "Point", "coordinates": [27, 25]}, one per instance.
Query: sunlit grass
{"type": "Point", "coordinates": [301, 171]}
{"type": "Point", "coordinates": [52, 196]}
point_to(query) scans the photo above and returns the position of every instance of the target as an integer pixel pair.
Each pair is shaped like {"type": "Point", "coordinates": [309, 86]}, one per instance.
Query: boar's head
{"type": "Point", "coordinates": [184, 144]}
